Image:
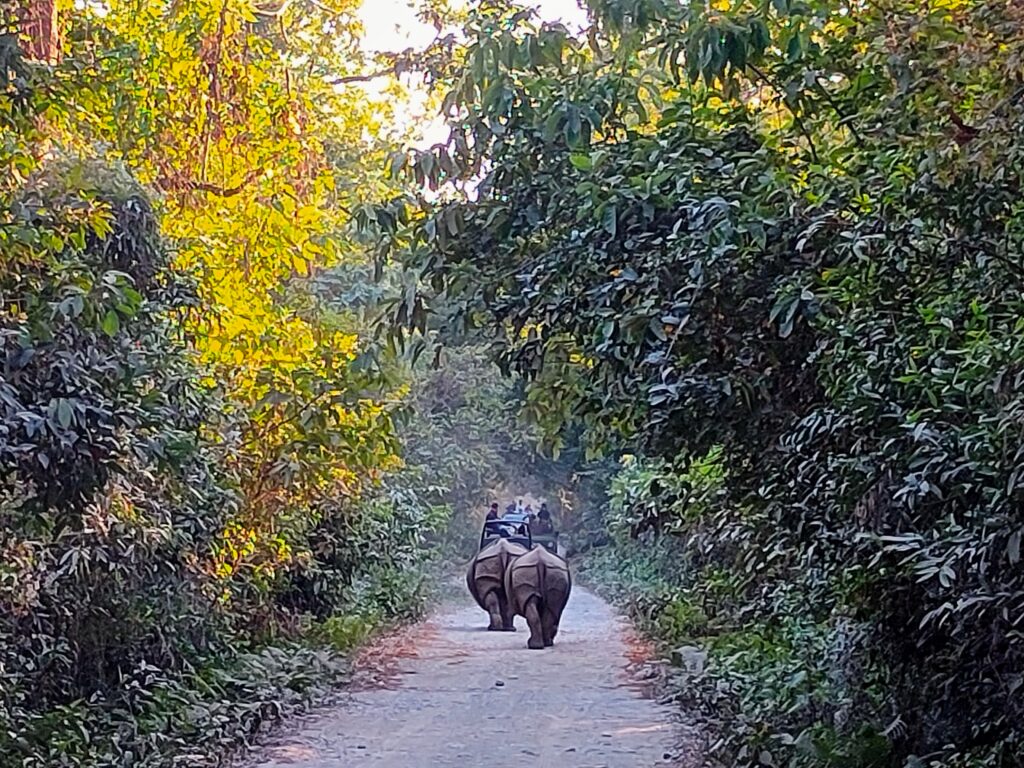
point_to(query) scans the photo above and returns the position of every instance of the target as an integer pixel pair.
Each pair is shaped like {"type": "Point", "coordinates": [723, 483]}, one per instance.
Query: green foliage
{"type": "Point", "coordinates": [786, 682]}
{"type": "Point", "coordinates": [465, 430]}
{"type": "Point", "coordinates": [173, 521]}
{"type": "Point", "coordinates": [115, 504]}
{"type": "Point", "coordinates": [166, 719]}
{"type": "Point", "coordinates": [377, 599]}
{"type": "Point", "coordinates": [110, 496]}
{"type": "Point", "coordinates": [345, 632]}
{"type": "Point", "coordinates": [464, 443]}
{"type": "Point", "coordinates": [790, 233]}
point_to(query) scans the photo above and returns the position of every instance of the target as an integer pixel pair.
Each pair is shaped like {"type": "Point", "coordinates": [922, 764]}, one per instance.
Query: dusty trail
{"type": "Point", "coordinates": [464, 697]}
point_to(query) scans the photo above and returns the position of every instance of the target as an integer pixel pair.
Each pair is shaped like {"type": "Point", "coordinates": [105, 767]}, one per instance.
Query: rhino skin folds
{"type": "Point", "coordinates": [538, 585]}
{"type": "Point", "coordinates": [485, 578]}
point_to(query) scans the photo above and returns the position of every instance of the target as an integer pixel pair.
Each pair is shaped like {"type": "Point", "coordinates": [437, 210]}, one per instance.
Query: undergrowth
{"type": "Point", "coordinates": [203, 713]}
{"type": "Point", "coordinates": [765, 686]}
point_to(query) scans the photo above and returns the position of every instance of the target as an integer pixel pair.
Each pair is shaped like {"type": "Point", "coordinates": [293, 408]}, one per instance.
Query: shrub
{"type": "Point", "coordinates": [136, 627]}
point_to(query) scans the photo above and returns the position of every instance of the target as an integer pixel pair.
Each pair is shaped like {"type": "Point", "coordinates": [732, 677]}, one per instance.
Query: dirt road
{"type": "Point", "coordinates": [448, 694]}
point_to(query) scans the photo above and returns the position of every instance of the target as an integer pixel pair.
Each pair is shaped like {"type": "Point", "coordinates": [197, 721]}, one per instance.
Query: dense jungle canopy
{"type": "Point", "coordinates": [738, 281]}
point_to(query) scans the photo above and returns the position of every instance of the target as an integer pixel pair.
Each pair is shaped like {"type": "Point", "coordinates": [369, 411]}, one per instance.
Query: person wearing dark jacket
{"type": "Point", "coordinates": [492, 513]}
{"type": "Point", "coordinates": [544, 524]}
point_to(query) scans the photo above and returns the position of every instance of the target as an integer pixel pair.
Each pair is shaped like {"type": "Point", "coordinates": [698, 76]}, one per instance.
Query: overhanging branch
{"type": "Point", "coordinates": [214, 189]}
{"type": "Point", "coordinates": [361, 78]}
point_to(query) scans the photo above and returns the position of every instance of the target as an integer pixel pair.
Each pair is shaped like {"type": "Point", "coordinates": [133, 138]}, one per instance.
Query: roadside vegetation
{"type": "Point", "coordinates": [203, 502]}
{"type": "Point", "coordinates": [771, 251]}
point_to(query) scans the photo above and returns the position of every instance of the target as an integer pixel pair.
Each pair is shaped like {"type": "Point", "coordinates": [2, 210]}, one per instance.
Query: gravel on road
{"type": "Point", "coordinates": [446, 693]}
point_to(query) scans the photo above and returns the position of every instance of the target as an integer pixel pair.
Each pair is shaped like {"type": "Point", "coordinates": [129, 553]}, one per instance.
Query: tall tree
{"type": "Point", "coordinates": [783, 234]}
{"type": "Point", "coordinates": [241, 116]}
{"type": "Point", "coordinates": [40, 30]}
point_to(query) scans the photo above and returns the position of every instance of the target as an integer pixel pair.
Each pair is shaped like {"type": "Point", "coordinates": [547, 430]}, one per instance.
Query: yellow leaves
{"type": "Point", "coordinates": [345, 344]}
{"type": "Point", "coordinates": [257, 160]}
{"type": "Point", "coordinates": [324, 185]}
{"type": "Point", "coordinates": [285, 205]}
{"type": "Point", "coordinates": [530, 329]}
{"type": "Point", "coordinates": [246, 12]}
{"type": "Point", "coordinates": [179, 68]}
{"type": "Point", "coordinates": [308, 215]}
{"type": "Point", "coordinates": [578, 359]}
{"type": "Point", "coordinates": [236, 543]}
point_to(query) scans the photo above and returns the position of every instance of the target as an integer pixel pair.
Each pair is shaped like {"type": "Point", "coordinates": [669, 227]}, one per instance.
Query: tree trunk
{"type": "Point", "coordinates": [39, 30]}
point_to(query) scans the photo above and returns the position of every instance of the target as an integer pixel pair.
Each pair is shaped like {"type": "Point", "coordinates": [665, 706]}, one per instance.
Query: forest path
{"type": "Point", "coordinates": [446, 693]}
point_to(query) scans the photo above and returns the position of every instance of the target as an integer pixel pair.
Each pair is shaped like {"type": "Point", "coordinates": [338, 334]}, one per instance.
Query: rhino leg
{"type": "Point", "coordinates": [549, 623]}
{"type": "Point", "coordinates": [507, 617]}
{"type": "Point", "coordinates": [493, 605]}
{"type": "Point", "coordinates": [532, 613]}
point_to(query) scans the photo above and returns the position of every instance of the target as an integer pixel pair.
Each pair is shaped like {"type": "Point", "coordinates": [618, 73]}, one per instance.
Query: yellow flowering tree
{"type": "Point", "coordinates": [248, 120]}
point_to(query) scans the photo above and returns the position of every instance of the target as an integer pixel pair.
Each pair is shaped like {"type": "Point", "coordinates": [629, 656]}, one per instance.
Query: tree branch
{"type": "Point", "coordinates": [844, 118]}
{"type": "Point", "coordinates": [214, 189]}
{"type": "Point", "coordinates": [797, 120]}
{"type": "Point", "coordinates": [361, 78]}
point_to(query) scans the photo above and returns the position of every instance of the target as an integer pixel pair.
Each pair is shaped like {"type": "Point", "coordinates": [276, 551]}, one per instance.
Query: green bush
{"type": "Point", "coordinates": [789, 684]}
{"type": "Point", "coordinates": [787, 235]}
{"type": "Point", "coordinates": [346, 632]}
{"type": "Point", "coordinates": [680, 621]}
{"type": "Point", "coordinates": [159, 719]}
{"type": "Point", "coordinates": [119, 644]}
{"type": "Point", "coordinates": [377, 598]}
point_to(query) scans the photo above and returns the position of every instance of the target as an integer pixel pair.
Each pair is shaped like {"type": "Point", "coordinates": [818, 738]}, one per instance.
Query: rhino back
{"type": "Point", "coordinates": [539, 573]}
{"type": "Point", "coordinates": [487, 570]}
